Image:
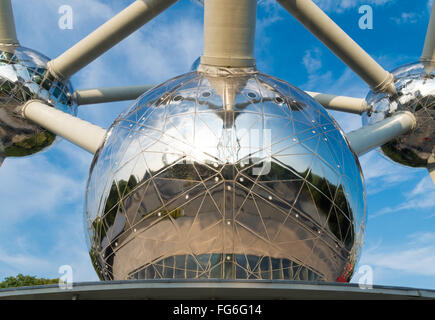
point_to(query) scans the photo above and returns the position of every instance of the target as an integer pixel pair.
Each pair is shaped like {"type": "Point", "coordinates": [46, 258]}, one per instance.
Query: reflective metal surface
{"type": "Point", "coordinates": [225, 175]}
{"type": "Point", "coordinates": [23, 77]}
{"type": "Point", "coordinates": [416, 93]}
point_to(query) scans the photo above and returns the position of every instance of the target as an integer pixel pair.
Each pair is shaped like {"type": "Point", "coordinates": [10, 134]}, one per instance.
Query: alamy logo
{"type": "Point", "coordinates": [259, 149]}
{"type": "Point", "coordinates": [366, 20]}
{"type": "Point", "coordinates": [365, 280]}
{"type": "Point", "coordinates": [66, 278]}
{"type": "Point", "coordinates": [66, 20]}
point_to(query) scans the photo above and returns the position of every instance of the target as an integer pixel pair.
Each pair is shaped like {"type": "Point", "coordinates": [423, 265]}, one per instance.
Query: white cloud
{"type": "Point", "coordinates": [42, 214]}
{"type": "Point", "coordinates": [378, 167]}
{"type": "Point", "coordinates": [68, 248]}
{"type": "Point", "coordinates": [347, 83]}
{"type": "Point", "coordinates": [424, 188]}
{"type": "Point", "coordinates": [312, 60]}
{"type": "Point", "coordinates": [415, 198]}
{"type": "Point", "coordinates": [19, 261]}
{"type": "Point", "coordinates": [272, 12]}
{"type": "Point", "coordinates": [407, 18]}
{"type": "Point", "coordinates": [343, 5]}
{"type": "Point", "coordinates": [35, 186]}
{"type": "Point", "coordinates": [422, 238]}
{"type": "Point", "coordinates": [157, 54]}
{"type": "Point", "coordinates": [417, 256]}
{"type": "Point", "coordinates": [41, 17]}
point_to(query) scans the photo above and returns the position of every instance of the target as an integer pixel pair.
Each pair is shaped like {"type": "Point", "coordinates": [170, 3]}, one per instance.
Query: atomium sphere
{"type": "Point", "coordinates": [226, 176]}
{"type": "Point", "coordinates": [23, 77]}
{"type": "Point", "coordinates": [416, 94]}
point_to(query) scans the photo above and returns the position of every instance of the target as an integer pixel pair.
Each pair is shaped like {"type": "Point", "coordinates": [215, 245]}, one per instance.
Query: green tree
{"type": "Point", "coordinates": [25, 281]}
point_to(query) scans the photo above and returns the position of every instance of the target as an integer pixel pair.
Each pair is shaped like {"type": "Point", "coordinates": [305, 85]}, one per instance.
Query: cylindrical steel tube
{"type": "Point", "coordinates": [107, 36]}
{"type": "Point", "coordinates": [81, 133]}
{"type": "Point", "coordinates": [8, 34]}
{"type": "Point", "coordinates": [428, 56]}
{"type": "Point", "coordinates": [229, 33]}
{"type": "Point", "coordinates": [368, 138]}
{"type": "Point", "coordinates": [103, 95]}
{"type": "Point", "coordinates": [327, 31]}
{"type": "Point", "coordinates": [341, 103]}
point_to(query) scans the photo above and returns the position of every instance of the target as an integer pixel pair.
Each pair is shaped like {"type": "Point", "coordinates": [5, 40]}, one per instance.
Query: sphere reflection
{"type": "Point", "coordinates": [416, 94]}
{"type": "Point", "coordinates": [225, 176]}
{"type": "Point", "coordinates": [23, 77]}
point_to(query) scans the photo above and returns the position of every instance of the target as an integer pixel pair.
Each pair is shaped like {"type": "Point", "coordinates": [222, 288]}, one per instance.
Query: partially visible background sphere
{"type": "Point", "coordinates": [23, 77]}
{"type": "Point", "coordinates": [416, 91]}
{"type": "Point", "coordinates": [261, 186]}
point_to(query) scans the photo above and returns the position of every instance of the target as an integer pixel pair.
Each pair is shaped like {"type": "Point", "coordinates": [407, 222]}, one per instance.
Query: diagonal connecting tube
{"type": "Point", "coordinates": [81, 133]}
{"type": "Point", "coordinates": [341, 103]}
{"type": "Point", "coordinates": [327, 31]}
{"type": "Point", "coordinates": [373, 136]}
{"type": "Point", "coordinates": [113, 94]}
{"type": "Point", "coordinates": [107, 36]}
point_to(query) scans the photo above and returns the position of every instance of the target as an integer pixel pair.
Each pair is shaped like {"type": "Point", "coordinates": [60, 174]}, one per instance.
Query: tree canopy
{"type": "Point", "coordinates": [25, 281]}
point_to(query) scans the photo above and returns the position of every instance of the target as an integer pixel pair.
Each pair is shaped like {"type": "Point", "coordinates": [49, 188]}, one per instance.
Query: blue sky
{"type": "Point", "coordinates": [42, 197]}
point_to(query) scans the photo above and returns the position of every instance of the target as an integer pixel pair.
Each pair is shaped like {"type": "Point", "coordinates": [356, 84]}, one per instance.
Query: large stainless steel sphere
{"type": "Point", "coordinates": [416, 93]}
{"type": "Point", "coordinates": [225, 176]}
{"type": "Point", "coordinates": [23, 77]}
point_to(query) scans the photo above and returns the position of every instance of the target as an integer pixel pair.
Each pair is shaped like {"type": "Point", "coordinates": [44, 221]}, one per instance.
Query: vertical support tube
{"type": "Point", "coordinates": [229, 33]}
{"type": "Point", "coordinates": [8, 33]}
{"type": "Point", "coordinates": [428, 56]}
{"type": "Point", "coordinates": [327, 31]}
